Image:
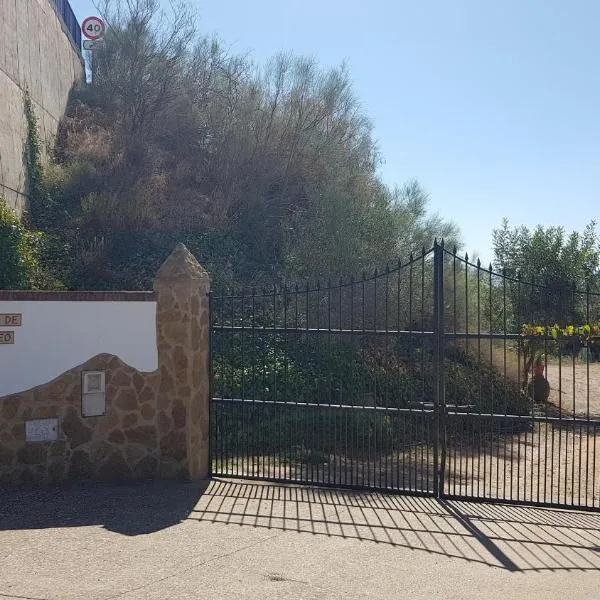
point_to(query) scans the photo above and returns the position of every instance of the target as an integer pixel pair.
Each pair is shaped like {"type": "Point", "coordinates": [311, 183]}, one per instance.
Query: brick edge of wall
{"type": "Point", "coordinates": [84, 296]}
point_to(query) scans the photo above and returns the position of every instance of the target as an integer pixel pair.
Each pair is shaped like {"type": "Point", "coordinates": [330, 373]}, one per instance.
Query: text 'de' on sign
{"type": "Point", "coordinates": [11, 320]}
{"type": "Point", "coordinates": [7, 337]}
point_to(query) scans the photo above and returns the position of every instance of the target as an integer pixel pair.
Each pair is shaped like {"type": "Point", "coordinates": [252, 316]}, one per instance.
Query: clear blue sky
{"type": "Point", "coordinates": [493, 105]}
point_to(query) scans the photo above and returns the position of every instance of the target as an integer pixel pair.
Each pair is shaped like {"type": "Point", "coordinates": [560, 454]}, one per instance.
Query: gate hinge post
{"type": "Point", "coordinates": [438, 370]}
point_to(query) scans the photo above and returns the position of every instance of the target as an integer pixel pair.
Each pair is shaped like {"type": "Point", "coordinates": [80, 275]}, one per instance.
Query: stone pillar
{"type": "Point", "coordinates": [182, 324]}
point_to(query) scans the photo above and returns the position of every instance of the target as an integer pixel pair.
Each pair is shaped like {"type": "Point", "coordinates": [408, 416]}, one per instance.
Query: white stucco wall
{"type": "Point", "coordinates": [57, 336]}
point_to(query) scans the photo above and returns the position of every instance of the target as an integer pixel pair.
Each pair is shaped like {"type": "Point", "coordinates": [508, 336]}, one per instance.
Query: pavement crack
{"type": "Point", "coordinates": [187, 569]}
{"type": "Point", "coordinates": [279, 577]}
{"type": "Point", "coordinates": [2, 595]}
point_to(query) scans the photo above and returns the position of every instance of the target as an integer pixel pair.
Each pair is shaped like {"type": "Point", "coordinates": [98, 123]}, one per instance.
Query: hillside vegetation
{"type": "Point", "coordinates": [267, 172]}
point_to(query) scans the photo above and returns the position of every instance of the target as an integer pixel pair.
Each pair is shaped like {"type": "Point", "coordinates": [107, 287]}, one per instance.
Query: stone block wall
{"type": "Point", "coordinates": [38, 55]}
{"type": "Point", "coordinates": [155, 424]}
{"type": "Point", "coordinates": [182, 322]}
{"type": "Point", "coordinates": [122, 443]}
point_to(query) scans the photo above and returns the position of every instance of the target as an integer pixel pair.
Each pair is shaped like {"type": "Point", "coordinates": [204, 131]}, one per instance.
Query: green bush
{"type": "Point", "coordinates": [20, 250]}
{"type": "Point", "coordinates": [41, 208]}
{"type": "Point", "coordinates": [309, 369]}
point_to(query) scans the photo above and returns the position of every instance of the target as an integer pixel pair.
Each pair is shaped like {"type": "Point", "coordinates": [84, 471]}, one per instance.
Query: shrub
{"type": "Point", "coordinates": [23, 253]}
{"type": "Point", "coordinates": [20, 251]}
{"type": "Point", "coordinates": [310, 369]}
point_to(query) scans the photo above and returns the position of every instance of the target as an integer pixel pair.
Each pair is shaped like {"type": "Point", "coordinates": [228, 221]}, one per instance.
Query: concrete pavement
{"type": "Point", "coordinates": [235, 539]}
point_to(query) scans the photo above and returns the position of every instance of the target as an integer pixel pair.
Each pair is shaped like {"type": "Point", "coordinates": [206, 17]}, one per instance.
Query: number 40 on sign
{"type": "Point", "coordinates": [93, 28]}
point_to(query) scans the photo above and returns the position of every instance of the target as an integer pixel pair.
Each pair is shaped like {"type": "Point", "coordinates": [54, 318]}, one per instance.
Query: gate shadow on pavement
{"type": "Point", "coordinates": [127, 508]}
{"type": "Point", "coordinates": [514, 538]}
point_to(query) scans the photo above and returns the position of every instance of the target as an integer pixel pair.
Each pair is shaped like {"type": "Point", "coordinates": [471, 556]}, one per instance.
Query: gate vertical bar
{"type": "Point", "coordinates": [439, 449]}
{"type": "Point", "coordinates": [442, 372]}
{"type": "Point", "coordinates": [211, 411]}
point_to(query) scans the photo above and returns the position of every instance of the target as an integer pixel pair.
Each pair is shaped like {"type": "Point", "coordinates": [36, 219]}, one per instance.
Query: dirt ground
{"type": "Point", "coordinates": [575, 385]}
{"type": "Point", "coordinates": [554, 462]}
{"type": "Point", "coordinates": [548, 463]}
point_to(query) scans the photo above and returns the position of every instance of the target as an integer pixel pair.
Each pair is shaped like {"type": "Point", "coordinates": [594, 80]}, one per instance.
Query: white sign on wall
{"type": "Point", "coordinates": [93, 401]}
{"type": "Point", "coordinates": [41, 430]}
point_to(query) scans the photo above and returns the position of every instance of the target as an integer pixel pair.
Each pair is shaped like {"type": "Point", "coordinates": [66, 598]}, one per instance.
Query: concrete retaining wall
{"type": "Point", "coordinates": [36, 53]}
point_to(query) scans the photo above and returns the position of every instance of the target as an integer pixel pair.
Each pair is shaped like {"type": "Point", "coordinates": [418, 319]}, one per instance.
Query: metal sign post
{"type": "Point", "coordinates": [92, 28]}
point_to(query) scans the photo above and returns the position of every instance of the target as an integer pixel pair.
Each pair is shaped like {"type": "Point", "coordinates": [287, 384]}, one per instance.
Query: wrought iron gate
{"type": "Point", "coordinates": [412, 379]}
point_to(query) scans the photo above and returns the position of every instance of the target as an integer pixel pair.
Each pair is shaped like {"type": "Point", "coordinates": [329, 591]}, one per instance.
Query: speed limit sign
{"type": "Point", "coordinates": [93, 28]}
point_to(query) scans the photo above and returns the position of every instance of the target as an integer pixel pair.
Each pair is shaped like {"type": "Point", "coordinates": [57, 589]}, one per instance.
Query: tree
{"type": "Point", "coordinates": [553, 269]}
{"type": "Point", "coordinates": [418, 227]}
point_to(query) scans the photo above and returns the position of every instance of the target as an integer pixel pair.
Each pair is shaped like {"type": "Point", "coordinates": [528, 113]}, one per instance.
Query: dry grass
{"type": "Point", "coordinates": [502, 356]}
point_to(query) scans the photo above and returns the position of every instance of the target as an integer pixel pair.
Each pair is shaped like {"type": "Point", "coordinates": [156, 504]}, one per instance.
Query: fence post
{"type": "Point", "coordinates": [182, 317]}
{"type": "Point", "coordinates": [439, 451]}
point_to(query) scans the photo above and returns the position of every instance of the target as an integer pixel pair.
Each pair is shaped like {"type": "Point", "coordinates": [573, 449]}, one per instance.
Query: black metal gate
{"type": "Point", "coordinates": [416, 379]}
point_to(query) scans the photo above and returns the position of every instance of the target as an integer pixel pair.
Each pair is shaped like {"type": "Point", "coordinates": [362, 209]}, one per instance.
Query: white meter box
{"type": "Point", "coordinates": [93, 397]}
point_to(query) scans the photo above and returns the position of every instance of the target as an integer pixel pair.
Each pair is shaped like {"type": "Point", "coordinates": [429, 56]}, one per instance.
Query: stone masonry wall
{"type": "Point", "coordinates": [121, 443]}
{"type": "Point", "coordinates": [155, 424]}
{"type": "Point", "coordinates": [182, 322]}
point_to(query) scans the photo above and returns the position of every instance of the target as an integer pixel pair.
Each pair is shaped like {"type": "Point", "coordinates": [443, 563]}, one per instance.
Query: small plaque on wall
{"type": "Point", "coordinates": [41, 430]}
{"type": "Point", "coordinates": [11, 320]}
{"type": "Point", "coordinates": [7, 337]}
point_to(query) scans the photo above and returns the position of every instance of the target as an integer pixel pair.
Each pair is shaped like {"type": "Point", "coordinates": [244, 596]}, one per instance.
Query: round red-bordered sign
{"type": "Point", "coordinates": [93, 28]}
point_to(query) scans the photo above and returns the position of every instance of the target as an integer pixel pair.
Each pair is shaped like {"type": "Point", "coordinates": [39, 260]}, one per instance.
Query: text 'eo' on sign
{"type": "Point", "coordinates": [7, 337]}
{"type": "Point", "coordinates": [11, 320]}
